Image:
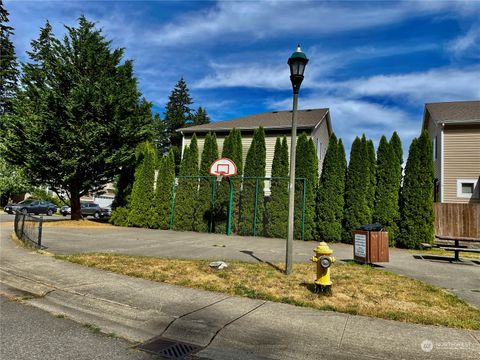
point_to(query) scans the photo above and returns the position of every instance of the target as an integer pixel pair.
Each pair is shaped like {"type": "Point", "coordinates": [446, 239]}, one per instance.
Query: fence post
{"type": "Point", "coordinates": [229, 226]}
{"type": "Point", "coordinates": [40, 232]}
{"type": "Point", "coordinates": [23, 225]}
{"type": "Point", "coordinates": [214, 189]}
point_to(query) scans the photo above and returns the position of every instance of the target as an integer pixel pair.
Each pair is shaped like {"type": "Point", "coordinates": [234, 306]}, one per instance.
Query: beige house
{"type": "Point", "coordinates": [316, 123]}
{"type": "Point", "coordinates": [454, 128]}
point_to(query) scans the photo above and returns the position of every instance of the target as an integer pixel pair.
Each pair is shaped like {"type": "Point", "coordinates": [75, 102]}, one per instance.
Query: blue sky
{"type": "Point", "coordinates": [374, 64]}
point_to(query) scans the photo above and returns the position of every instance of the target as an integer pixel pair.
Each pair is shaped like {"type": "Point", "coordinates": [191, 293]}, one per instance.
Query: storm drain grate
{"type": "Point", "coordinates": [169, 349]}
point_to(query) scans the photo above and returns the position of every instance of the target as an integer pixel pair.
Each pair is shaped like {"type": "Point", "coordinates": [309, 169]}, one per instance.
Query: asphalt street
{"type": "Point", "coordinates": [27, 332]}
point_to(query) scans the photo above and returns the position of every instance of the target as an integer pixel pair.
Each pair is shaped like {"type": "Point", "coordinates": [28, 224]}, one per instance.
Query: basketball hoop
{"type": "Point", "coordinates": [223, 167]}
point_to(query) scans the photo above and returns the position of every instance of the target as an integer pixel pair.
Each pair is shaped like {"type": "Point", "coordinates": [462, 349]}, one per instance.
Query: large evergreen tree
{"type": "Point", "coordinates": [141, 205]}
{"type": "Point", "coordinates": [357, 183]}
{"type": "Point", "coordinates": [8, 64]}
{"type": "Point", "coordinates": [416, 206]}
{"type": "Point", "coordinates": [178, 114]}
{"type": "Point", "coordinates": [187, 189]}
{"type": "Point", "coordinates": [163, 191]}
{"type": "Point", "coordinates": [330, 195]}
{"type": "Point", "coordinates": [204, 203]}
{"type": "Point", "coordinates": [79, 93]}
{"type": "Point", "coordinates": [386, 196]}
{"type": "Point", "coordinates": [200, 117]}
{"type": "Point", "coordinates": [342, 174]}
{"type": "Point", "coordinates": [396, 145]}
{"type": "Point", "coordinates": [306, 167]}
{"type": "Point", "coordinates": [277, 208]}
{"type": "Point", "coordinates": [252, 199]}
{"type": "Point", "coordinates": [232, 149]}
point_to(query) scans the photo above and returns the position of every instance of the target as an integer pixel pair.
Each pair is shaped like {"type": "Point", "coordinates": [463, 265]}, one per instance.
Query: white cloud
{"type": "Point", "coordinates": [467, 45]}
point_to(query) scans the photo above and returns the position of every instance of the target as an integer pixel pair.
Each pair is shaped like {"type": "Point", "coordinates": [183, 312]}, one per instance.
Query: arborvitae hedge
{"type": "Point", "coordinates": [357, 211]}
{"type": "Point", "coordinates": [187, 189]}
{"type": "Point", "coordinates": [330, 195]}
{"type": "Point", "coordinates": [306, 166]}
{"type": "Point", "coordinates": [396, 145]}
{"type": "Point", "coordinates": [204, 203]}
{"type": "Point", "coordinates": [141, 200]}
{"type": "Point", "coordinates": [277, 208]}
{"type": "Point", "coordinates": [232, 149]}
{"type": "Point", "coordinates": [342, 173]}
{"type": "Point", "coordinates": [163, 191]}
{"type": "Point", "coordinates": [416, 206]}
{"type": "Point", "coordinates": [254, 167]}
{"type": "Point", "coordinates": [372, 173]}
{"type": "Point", "coordinates": [386, 196]}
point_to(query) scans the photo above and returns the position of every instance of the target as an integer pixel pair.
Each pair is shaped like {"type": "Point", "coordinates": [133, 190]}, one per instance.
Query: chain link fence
{"type": "Point", "coordinates": [28, 228]}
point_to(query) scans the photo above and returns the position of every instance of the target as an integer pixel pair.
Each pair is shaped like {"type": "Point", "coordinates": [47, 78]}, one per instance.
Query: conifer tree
{"type": "Point", "coordinates": [372, 173]}
{"type": "Point", "coordinates": [357, 211]}
{"type": "Point", "coordinates": [163, 191]}
{"type": "Point", "coordinates": [342, 173]}
{"type": "Point", "coordinates": [232, 149]}
{"type": "Point", "coordinates": [306, 166]}
{"type": "Point", "coordinates": [330, 195]}
{"type": "Point", "coordinates": [187, 189]}
{"type": "Point", "coordinates": [205, 207]}
{"type": "Point", "coordinates": [8, 64]}
{"type": "Point", "coordinates": [90, 106]}
{"type": "Point", "coordinates": [252, 195]}
{"type": "Point", "coordinates": [396, 146]}
{"type": "Point", "coordinates": [277, 208]}
{"type": "Point", "coordinates": [201, 117]}
{"type": "Point", "coordinates": [141, 206]}
{"type": "Point", "coordinates": [386, 196]}
{"type": "Point", "coordinates": [416, 207]}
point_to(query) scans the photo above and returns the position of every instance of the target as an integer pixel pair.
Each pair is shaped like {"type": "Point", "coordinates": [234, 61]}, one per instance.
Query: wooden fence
{"type": "Point", "coordinates": [457, 219]}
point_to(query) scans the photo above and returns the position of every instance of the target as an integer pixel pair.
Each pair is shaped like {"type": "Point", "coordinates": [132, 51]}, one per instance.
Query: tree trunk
{"type": "Point", "coordinates": [76, 213]}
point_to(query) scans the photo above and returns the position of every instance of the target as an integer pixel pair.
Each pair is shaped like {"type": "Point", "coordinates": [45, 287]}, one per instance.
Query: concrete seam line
{"type": "Point", "coordinates": [343, 332]}
{"type": "Point", "coordinates": [472, 333]}
{"type": "Point", "coordinates": [193, 311]}
{"type": "Point", "coordinates": [241, 316]}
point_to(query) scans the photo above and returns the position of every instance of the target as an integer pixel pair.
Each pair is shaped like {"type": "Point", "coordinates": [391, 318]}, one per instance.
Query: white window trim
{"type": "Point", "coordinates": [460, 194]}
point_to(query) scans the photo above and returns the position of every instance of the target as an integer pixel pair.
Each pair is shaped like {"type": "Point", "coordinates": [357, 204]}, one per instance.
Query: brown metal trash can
{"type": "Point", "coordinates": [370, 246]}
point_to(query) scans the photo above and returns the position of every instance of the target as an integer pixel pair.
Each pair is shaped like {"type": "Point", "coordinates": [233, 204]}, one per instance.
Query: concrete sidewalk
{"type": "Point", "coordinates": [461, 279]}
{"type": "Point", "coordinates": [227, 327]}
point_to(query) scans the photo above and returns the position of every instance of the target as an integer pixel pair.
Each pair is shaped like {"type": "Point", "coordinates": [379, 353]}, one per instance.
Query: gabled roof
{"type": "Point", "coordinates": [458, 112]}
{"type": "Point", "coordinates": [275, 120]}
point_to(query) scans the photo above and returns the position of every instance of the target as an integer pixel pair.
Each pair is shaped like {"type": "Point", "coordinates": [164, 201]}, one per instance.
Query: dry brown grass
{"type": "Point", "coordinates": [357, 289]}
{"type": "Point", "coordinates": [76, 224]}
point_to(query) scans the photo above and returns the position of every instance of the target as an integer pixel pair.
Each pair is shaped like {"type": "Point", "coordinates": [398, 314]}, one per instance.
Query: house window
{"type": "Point", "coordinates": [468, 188]}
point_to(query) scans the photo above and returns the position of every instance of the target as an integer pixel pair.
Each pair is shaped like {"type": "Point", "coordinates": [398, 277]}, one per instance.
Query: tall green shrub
{"type": "Point", "coordinates": [142, 198]}
{"type": "Point", "coordinates": [306, 166]}
{"type": "Point", "coordinates": [372, 174]}
{"type": "Point", "coordinates": [396, 145]}
{"type": "Point", "coordinates": [232, 149]}
{"type": "Point", "coordinates": [357, 211]}
{"type": "Point", "coordinates": [386, 196]}
{"type": "Point", "coordinates": [277, 208]}
{"type": "Point", "coordinates": [342, 174]}
{"type": "Point", "coordinates": [330, 195]}
{"type": "Point", "coordinates": [187, 189]}
{"type": "Point", "coordinates": [252, 198]}
{"type": "Point", "coordinates": [164, 191]}
{"type": "Point", "coordinates": [204, 202]}
{"type": "Point", "coordinates": [416, 207]}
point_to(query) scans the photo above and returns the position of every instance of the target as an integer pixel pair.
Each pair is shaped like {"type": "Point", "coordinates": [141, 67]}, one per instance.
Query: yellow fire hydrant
{"type": "Point", "coordinates": [324, 259]}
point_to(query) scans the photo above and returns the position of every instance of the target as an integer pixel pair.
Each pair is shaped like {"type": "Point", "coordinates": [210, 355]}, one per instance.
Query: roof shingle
{"type": "Point", "coordinates": [454, 112]}
{"type": "Point", "coordinates": [269, 120]}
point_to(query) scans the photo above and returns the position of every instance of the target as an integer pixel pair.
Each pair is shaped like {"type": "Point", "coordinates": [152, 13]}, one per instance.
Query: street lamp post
{"type": "Point", "coordinates": [297, 63]}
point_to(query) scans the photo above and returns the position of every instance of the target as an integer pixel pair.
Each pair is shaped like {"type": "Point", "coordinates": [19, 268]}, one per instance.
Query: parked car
{"type": "Point", "coordinates": [30, 206]}
{"type": "Point", "coordinates": [91, 209]}
{"type": "Point", "coordinates": [65, 210]}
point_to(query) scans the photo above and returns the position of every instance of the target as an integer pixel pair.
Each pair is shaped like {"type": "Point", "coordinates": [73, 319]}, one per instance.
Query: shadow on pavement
{"type": "Point", "coordinates": [248, 252]}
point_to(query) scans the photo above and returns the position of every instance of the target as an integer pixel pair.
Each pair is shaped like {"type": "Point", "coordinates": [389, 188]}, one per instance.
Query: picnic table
{"type": "Point", "coordinates": [457, 247]}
